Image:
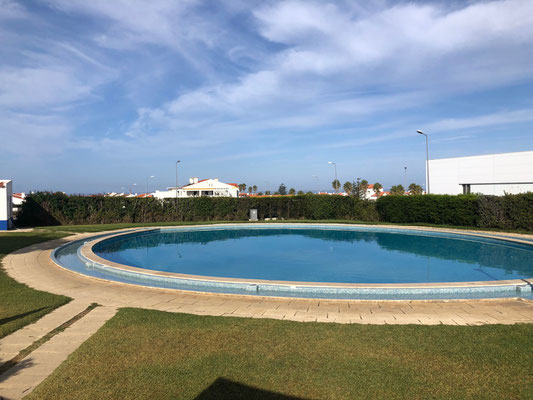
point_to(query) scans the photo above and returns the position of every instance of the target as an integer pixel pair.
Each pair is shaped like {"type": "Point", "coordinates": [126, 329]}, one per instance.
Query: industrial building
{"type": "Point", "coordinates": [6, 204]}
{"type": "Point", "coordinates": [492, 174]}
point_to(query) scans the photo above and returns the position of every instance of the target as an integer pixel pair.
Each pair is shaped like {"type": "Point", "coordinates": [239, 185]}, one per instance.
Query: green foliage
{"type": "Point", "coordinates": [336, 185]}
{"type": "Point", "coordinates": [282, 189]}
{"type": "Point", "coordinates": [415, 189]}
{"type": "Point", "coordinates": [397, 190]}
{"type": "Point", "coordinates": [512, 212]}
{"type": "Point", "coordinates": [41, 209]}
{"type": "Point", "coordinates": [292, 191]}
{"type": "Point", "coordinates": [348, 187]}
{"type": "Point", "coordinates": [359, 188]}
{"type": "Point", "coordinates": [506, 212]}
{"type": "Point", "coordinates": [300, 193]}
{"type": "Point", "coordinates": [377, 188]}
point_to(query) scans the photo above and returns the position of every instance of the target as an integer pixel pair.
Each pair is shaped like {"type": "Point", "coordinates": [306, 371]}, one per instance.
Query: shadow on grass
{"type": "Point", "coordinates": [15, 317]}
{"type": "Point", "coordinates": [222, 389]}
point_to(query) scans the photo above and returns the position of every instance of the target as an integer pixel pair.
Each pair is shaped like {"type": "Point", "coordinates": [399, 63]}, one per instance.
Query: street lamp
{"type": "Point", "coordinates": [427, 159]}
{"type": "Point", "coordinates": [133, 187]}
{"type": "Point", "coordinates": [150, 177]}
{"type": "Point", "coordinates": [177, 162]}
{"type": "Point", "coordinates": [335, 165]}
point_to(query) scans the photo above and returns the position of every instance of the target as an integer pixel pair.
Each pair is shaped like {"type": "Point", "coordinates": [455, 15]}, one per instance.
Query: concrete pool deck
{"type": "Point", "coordinates": [34, 267]}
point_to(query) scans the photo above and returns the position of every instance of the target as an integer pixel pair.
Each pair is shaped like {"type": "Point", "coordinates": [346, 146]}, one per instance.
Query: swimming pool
{"type": "Point", "coordinates": [301, 260]}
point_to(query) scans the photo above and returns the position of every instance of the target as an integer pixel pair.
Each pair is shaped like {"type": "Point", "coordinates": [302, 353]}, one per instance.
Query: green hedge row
{"type": "Point", "coordinates": [59, 209]}
{"type": "Point", "coordinates": [513, 212]}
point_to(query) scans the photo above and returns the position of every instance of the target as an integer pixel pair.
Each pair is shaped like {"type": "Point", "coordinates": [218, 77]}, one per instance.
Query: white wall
{"type": "Point", "coordinates": [6, 207]}
{"type": "Point", "coordinates": [505, 172]}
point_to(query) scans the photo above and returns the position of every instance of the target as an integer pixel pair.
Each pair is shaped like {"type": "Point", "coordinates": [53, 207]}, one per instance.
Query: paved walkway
{"type": "Point", "coordinates": [34, 267]}
{"type": "Point", "coordinates": [21, 379]}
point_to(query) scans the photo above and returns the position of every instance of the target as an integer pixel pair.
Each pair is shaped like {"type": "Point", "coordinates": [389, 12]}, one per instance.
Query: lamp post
{"type": "Point", "coordinates": [133, 187]}
{"type": "Point", "coordinates": [177, 162]}
{"type": "Point", "coordinates": [335, 165]}
{"type": "Point", "coordinates": [427, 159]}
{"type": "Point", "coordinates": [150, 177]}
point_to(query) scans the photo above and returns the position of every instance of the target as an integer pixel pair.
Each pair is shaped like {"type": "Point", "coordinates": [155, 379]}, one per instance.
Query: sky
{"type": "Point", "coordinates": [96, 96]}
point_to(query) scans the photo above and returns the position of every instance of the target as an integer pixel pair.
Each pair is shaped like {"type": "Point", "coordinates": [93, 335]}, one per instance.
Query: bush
{"type": "Point", "coordinates": [513, 212]}
{"type": "Point", "coordinates": [46, 208]}
{"type": "Point", "coordinates": [432, 209]}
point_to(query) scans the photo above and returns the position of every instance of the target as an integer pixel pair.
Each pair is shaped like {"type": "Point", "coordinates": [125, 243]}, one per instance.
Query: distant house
{"type": "Point", "coordinates": [18, 199]}
{"type": "Point", "coordinates": [370, 194]}
{"type": "Point", "coordinates": [200, 188]}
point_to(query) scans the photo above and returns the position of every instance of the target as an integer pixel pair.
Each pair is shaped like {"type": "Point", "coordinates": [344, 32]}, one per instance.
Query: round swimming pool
{"type": "Point", "coordinates": [309, 260]}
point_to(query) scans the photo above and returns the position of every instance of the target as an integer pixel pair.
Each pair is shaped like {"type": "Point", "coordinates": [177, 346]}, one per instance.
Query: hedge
{"type": "Point", "coordinates": [511, 212]}
{"type": "Point", "coordinates": [46, 208]}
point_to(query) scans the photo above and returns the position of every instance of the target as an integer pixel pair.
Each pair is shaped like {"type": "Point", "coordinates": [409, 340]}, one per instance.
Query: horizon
{"type": "Point", "coordinates": [98, 96]}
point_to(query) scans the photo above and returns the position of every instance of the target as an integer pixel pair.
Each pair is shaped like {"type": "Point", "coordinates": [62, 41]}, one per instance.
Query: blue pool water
{"type": "Point", "coordinates": [355, 255]}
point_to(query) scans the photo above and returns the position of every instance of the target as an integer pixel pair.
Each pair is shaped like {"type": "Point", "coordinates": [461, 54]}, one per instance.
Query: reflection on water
{"type": "Point", "coordinates": [510, 257]}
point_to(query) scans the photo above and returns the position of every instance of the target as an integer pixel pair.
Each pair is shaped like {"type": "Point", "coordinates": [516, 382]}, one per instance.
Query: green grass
{"type": "Point", "coordinates": [142, 354]}
{"type": "Point", "coordinates": [19, 304]}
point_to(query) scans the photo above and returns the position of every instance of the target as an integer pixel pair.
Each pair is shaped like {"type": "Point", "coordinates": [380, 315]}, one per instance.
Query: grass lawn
{"type": "Point", "coordinates": [20, 305]}
{"type": "Point", "coordinates": [141, 354]}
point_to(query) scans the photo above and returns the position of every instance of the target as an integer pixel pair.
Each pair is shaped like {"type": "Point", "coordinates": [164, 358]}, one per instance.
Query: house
{"type": "Point", "coordinates": [18, 199]}
{"type": "Point", "coordinates": [370, 194]}
{"type": "Point", "coordinates": [200, 188]}
{"type": "Point", "coordinates": [6, 204]}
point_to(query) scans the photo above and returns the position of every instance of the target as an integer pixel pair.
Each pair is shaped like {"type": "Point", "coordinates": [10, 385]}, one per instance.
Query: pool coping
{"type": "Point", "coordinates": [87, 253]}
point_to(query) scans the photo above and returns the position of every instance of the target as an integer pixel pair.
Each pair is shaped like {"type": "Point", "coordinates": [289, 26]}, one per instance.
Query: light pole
{"type": "Point", "coordinates": [133, 187]}
{"type": "Point", "coordinates": [150, 177]}
{"type": "Point", "coordinates": [405, 177]}
{"type": "Point", "coordinates": [335, 165]}
{"type": "Point", "coordinates": [427, 159]}
{"type": "Point", "coordinates": [177, 162]}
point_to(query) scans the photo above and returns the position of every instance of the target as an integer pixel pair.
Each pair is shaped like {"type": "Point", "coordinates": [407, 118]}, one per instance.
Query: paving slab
{"type": "Point", "coordinates": [12, 344]}
{"type": "Point", "coordinates": [20, 380]}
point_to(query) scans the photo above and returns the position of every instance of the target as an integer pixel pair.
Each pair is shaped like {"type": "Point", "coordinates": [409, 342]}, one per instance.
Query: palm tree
{"type": "Point", "coordinates": [415, 189]}
{"type": "Point", "coordinates": [348, 187]}
{"type": "Point", "coordinates": [255, 188]}
{"type": "Point", "coordinates": [377, 188]}
{"type": "Point", "coordinates": [250, 189]}
{"type": "Point", "coordinates": [397, 190]}
{"type": "Point", "coordinates": [336, 185]}
{"type": "Point", "coordinates": [242, 187]}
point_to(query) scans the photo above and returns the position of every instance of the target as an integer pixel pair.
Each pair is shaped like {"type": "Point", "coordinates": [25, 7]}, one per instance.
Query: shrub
{"type": "Point", "coordinates": [45, 208]}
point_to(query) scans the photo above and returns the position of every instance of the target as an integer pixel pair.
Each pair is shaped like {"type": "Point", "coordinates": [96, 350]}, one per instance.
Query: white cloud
{"type": "Point", "coordinates": [487, 120]}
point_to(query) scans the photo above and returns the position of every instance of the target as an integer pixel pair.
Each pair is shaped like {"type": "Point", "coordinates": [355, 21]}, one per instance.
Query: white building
{"type": "Point", "coordinates": [6, 205]}
{"type": "Point", "coordinates": [370, 194]}
{"type": "Point", "coordinates": [18, 199]}
{"type": "Point", "coordinates": [494, 174]}
{"type": "Point", "coordinates": [202, 188]}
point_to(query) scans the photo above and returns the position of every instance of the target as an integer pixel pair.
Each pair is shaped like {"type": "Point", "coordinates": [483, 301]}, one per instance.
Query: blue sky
{"type": "Point", "coordinates": [98, 95]}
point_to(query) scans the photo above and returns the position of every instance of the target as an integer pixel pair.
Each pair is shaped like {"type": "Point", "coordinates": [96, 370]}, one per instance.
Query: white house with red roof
{"type": "Point", "coordinates": [200, 188]}
{"type": "Point", "coordinates": [370, 194]}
